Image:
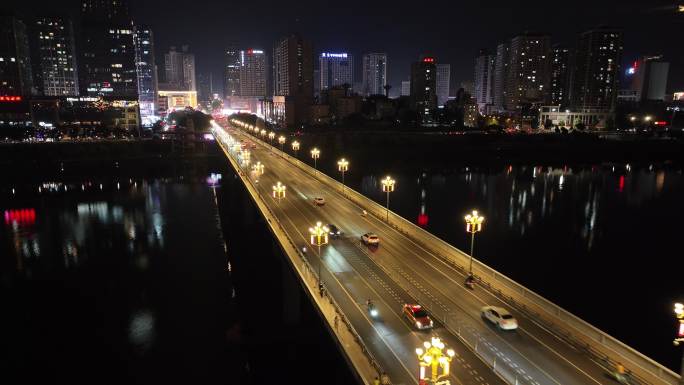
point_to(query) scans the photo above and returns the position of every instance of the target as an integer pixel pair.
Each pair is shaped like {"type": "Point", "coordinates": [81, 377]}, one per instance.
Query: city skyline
{"type": "Point", "coordinates": [381, 34]}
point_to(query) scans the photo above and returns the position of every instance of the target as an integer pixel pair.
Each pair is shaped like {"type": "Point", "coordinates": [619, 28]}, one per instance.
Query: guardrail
{"type": "Point", "coordinates": [330, 309]}
{"type": "Point", "coordinates": [601, 347]}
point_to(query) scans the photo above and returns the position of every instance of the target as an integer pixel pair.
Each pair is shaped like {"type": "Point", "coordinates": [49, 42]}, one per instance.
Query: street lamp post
{"type": "Point", "coordinates": [319, 237]}
{"type": "Point", "coordinates": [281, 140]}
{"type": "Point", "coordinates": [343, 166]}
{"type": "Point", "coordinates": [315, 154]}
{"type": "Point", "coordinates": [279, 192]}
{"type": "Point", "coordinates": [434, 357]}
{"type": "Point", "coordinates": [388, 187]}
{"type": "Point", "coordinates": [473, 225]}
{"type": "Point", "coordinates": [258, 169]}
{"type": "Point", "coordinates": [271, 135]}
{"type": "Point", "coordinates": [263, 133]}
{"type": "Point", "coordinates": [295, 147]}
{"type": "Point", "coordinates": [246, 155]}
{"type": "Point", "coordinates": [679, 313]}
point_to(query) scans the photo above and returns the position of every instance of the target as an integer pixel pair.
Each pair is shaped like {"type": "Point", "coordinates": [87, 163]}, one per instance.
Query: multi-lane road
{"type": "Point", "coordinates": [401, 271]}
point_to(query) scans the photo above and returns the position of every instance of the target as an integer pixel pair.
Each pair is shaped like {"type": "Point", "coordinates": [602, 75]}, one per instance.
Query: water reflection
{"type": "Point", "coordinates": [82, 220]}
{"type": "Point", "coordinates": [98, 269]}
{"type": "Point", "coordinates": [518, 199]}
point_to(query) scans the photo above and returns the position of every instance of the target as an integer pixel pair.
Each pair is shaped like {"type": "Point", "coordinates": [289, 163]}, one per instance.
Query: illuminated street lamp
{"type": "Point", "coordinates": [279, 191]}
{"type": "Point", "coordinates": [433, 357]}
{"type": "Point", "coordinates": [319, 237]}
{"type": "Point", "coordinates": [258, 169]}
{"type": "Point", "coordinates": [263, 133]}
{"type": "Point", "coordinates": [281, 140]}
{"type": "Point", "coordinates": [271, 135]}
{"type": "Point", "coordinates": [473, 225]}
{"type": "Point", "coordinates": [246, 154]}
{"type": "Point", "coordinates": [343, 166]}
{"type": "Point", "coordinates": [295, 147]}
{"type": "Point", "coordinates": [679, 313]}
{"type": "Point", "coordinates": [315, 154]}
{"type": "Point", "coordinates": [388, 187]}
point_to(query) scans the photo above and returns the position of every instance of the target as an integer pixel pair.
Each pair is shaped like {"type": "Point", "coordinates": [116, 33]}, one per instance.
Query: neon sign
{"type": "Point", "coordinates": [428, 60]}
{"type": "Point", "coordinates": [10, 98]}
{"type": "Point", "coordinates": [338, 55]}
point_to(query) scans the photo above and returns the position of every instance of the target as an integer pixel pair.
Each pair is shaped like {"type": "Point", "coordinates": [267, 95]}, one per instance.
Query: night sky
{"type": "Point", "coordinates": [453, 31]}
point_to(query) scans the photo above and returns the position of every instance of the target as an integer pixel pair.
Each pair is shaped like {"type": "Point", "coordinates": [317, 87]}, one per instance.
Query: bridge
{"type": "Point", "coordinates": [550, 347]}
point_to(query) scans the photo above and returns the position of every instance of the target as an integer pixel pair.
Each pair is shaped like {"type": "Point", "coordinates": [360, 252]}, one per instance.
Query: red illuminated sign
{"type": "Point", "coordinates": [20, 216]}
{"type": "Point", "coordinates": [660, 123]}
{"type": "Point", "coordinates": [681, 330]}
{"type": "Point", "coordinates": [10, 98]}
{"type": "Point", "coordinates": [428, 60]}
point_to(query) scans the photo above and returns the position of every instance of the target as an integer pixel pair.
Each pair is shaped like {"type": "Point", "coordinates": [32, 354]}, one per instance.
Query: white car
{"type": "Point", "coordinates": [499, 317]}
{"type": "Point", "coordinates": [370, 239]}
{"type": "Point", "coordinates": [319, 201]}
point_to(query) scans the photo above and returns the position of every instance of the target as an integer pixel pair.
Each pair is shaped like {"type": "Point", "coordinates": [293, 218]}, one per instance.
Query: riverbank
{"type": "Point", "coordinates": [443, 148]}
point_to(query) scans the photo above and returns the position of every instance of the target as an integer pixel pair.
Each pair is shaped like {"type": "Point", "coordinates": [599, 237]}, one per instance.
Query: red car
{"type": "Point", "coordinates": [417, 316]}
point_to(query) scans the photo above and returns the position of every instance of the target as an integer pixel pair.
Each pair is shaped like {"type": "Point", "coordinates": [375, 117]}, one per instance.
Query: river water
{"type": "Point", "coordinates": [156, 278]}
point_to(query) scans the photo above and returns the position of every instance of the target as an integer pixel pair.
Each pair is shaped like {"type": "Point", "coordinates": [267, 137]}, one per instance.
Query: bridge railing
{"type": "Point", "coordinates": [329, 309]}
{"type": "Point", "coordinates": [601, 347]}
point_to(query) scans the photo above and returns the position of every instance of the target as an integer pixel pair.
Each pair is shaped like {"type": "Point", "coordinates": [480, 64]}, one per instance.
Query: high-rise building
{"type": "Point", "coordinates": [374, 73]}
{"type": "Point", "coordinates": [205, 88]}
{"type": "Point", "coordinates": [292, 81]}
{"type": "Point", "coordinates": [107, 54]}
{"type": "Point", "coordinates": [15, 65]}
{"type": "Point", "coordinates": [596, 69]}
{"type": "Point", "coordinates": [424, 88]}
{"type": "Point", "coordinates": [53, 57]}
{"type": "Point", "coordinates": [501, 75]}
{"type": "Point", "coordinates": [560, 76]}
{"type": "Point", "coordinates": [529, 70]}
{"type": "Point", "coordinates": [253, 73]}
{"type": "Point", "coordinates": [180, 69]}
{"type": "Point", "coordinates": [442, 80]}
{"type": "Point", "coordinates": [649, 78]}
{"type": "Point", "coordinates": [484, 76]}
{"type": "Point", "coordinates": [146, 69]}
{"type": "Point", "coordinates": [232, 71]}
{"type": "Point", "coordinates": [336, 69]}
{"type": "Point", "coordinates": [405, 88]}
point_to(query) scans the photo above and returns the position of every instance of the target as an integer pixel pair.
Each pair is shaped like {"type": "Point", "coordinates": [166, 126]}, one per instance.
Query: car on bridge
{"type": "Point", "coordinates": [334, 231]}
{"type": "Point", "coordinates": [500, 317]}
{"type": "Point", "coordinates": [417, 316]}
{"type": "Point", "coordinates": [319, 201]}
{"type": "Point", "coordinates": [370, 239]}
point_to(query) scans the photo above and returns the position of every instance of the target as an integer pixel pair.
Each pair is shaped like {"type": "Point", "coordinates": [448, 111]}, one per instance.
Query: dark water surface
{"type": "Point", "coordinates": [150, 279]}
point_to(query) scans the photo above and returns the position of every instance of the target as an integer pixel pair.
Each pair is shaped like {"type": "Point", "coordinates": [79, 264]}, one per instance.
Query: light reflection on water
{"type": "Point", "coordinates": [524, 198]}
{"type": "Point", "coordinates": [77, 224]}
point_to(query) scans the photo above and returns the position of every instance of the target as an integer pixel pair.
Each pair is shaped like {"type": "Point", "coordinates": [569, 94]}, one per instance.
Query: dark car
{"type": "Point", "coordinates": [334, 231]}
